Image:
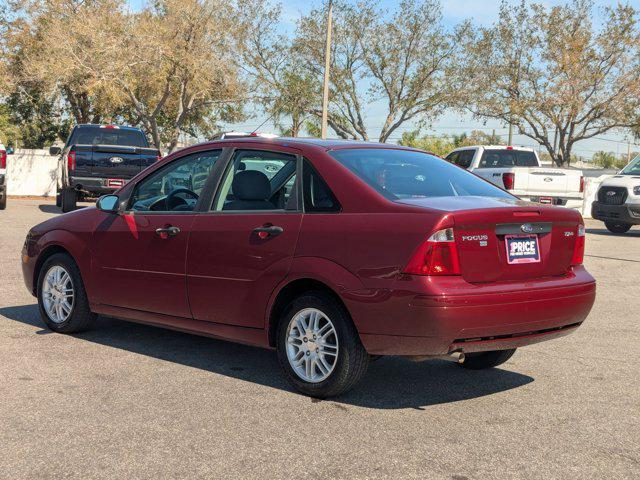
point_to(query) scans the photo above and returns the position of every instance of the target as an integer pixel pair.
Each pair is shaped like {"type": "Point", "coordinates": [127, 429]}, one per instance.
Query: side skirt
{"type": "Point", "coordinates": [249, 336]}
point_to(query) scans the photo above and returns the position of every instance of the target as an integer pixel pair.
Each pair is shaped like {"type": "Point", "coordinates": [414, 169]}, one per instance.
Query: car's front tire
{"type": "Point", "coordinates": [482, 360]}
{"type": "Point", "coordinates": [68, 199]}
{"type": "Point", "coordinates": [318, 346]}
{"type": "Point", "coordinates": [617, 227]}
{"type": "Point", "coordinates": [62, 299]}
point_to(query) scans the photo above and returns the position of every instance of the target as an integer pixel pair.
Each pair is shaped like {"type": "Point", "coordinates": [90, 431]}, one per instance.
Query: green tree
{"type": "Point", "coordinates": [552, 74]}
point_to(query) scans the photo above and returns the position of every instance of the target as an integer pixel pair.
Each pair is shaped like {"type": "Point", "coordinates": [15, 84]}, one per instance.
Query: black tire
{"type": "Point", "coordinates": [3, 202]}
{"type": "Point", "coordinates": [352, 360]}
{"type": "Point", "coordinates": [58, 198]}
{"type": "Point", "coordinates": [68, 199]}
{"type": "Point", "coordinates": [482, 360]}
{"type": "Point", "coordinates": [617, 227]}
{"type": "Point", "coordinates": [81, 316]}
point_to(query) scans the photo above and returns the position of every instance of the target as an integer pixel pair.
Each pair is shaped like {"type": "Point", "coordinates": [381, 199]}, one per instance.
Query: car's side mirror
{"type": "Point", "coordinates": [108, 203]}
{"type": "Point", "coordinates": [10, 150]}
{"type": "Point", "coordinates": [54, 150]}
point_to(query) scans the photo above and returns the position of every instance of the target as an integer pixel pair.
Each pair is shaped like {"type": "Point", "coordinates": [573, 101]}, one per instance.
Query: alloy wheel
{"type": "Point", "coordinates": [58, 294]}
{"type": "Point", "coordinates": [312, 345]}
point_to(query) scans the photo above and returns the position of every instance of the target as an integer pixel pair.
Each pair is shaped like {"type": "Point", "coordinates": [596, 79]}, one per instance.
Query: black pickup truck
{"type": "Point", "coordinates": [98, 159]}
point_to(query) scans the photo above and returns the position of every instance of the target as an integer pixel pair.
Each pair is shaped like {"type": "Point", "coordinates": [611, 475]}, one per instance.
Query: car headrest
{"type": "Point", "coordinates": [251, 185]}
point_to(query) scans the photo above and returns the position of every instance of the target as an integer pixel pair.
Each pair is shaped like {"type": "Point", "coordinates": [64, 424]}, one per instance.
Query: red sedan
{"type": "Point", "coordinates": [330, 252]}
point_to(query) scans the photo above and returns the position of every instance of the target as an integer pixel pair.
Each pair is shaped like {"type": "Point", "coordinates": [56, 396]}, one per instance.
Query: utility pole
{"type": "Point", "coordinates": [628, 150]}
{"type": "Point", "coordinates": [327, 66]}
{"type": "Point", "coordinates": [510, 142]}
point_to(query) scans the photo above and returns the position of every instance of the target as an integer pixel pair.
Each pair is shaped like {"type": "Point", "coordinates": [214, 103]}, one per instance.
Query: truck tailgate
{"type": "Point", "coordinates": [120, 162]}
{"type": "Point", "coordinates": [544, 181]}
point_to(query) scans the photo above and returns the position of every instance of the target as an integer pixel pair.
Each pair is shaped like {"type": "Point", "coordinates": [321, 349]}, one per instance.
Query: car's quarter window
{"type": "Point", "coordinates": [318, 197]}
{"type": "Point", "coordinates": [499, 158]}
{"type": "Point", "coordinates": [258, 180]}
{"type": "Point", "coordinates": [177, 186]}
{"type": "Point", "coordinates": [401, 174]}
{"type": "Point", "coordinates": [464, 158]}
{"type": "Point", "coordinates": [452, 157]}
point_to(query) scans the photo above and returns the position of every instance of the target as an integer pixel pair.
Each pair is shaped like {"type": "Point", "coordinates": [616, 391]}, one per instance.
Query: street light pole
{"type": "Point", "coordinates": [327, 66]}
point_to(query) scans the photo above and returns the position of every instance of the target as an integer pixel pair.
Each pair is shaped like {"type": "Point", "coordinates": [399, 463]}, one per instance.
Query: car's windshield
{"type": "Point", "coordinates": [402, 174]}
{"type": "Point", "coordinates": [633, 168]}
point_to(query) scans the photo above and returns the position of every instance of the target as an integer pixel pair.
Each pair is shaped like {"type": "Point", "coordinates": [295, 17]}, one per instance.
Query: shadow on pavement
{"type": "Point", "coordinates": [49, 208]}
{"type": "Point", "coordinates": [603, 231]}
{"type": "Point", "coordinates": [390, 383]}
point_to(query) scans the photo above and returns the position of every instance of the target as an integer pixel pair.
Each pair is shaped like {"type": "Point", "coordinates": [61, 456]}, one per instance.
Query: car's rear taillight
{"type": "Point", "coordinates": [578, 249]}
{"type": "Point", "coordinates": [158, 157]}
{"type": "Point", "coordinates": [582, 184]}
{"type": "Point", "coordinates": [3, 159]}
{"type": "Point", "coordinates": [71, 160]}
{"type": "Point", "coordinates": [508, 179]}
{"type": "Point", "coordinates": [437, 256]}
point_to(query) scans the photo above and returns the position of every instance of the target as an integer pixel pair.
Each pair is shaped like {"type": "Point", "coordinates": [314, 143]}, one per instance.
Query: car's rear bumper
{"type": "Point", "coordinates": [616, 213]}
{"type": "Point", "coordinates": [97, 186]}
{"type": "Point", "coordinates": [473, 318]}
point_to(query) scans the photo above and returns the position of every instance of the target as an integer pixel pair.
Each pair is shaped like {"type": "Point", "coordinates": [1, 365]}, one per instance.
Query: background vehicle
{"type": "Point", "coordinates": [518, 170]}
{"type": "Point", "coordinates": [99, 159]}
{"type": "Point", "coordinates": [618, 200]}
{"type": "Point", "coordinates": [337, 251]}
{"type": "Point", "coordinates": [3, 177]}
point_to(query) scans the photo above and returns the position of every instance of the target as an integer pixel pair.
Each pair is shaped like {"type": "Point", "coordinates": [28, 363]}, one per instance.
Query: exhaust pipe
{"type": "Point", "coordinates": [457, 357]}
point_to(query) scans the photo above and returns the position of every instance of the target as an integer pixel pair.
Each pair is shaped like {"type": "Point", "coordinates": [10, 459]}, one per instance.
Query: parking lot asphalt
{"type": "Point", "coordinates": [131, 401]}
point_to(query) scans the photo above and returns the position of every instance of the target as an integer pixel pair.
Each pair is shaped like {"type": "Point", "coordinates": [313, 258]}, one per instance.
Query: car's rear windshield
{"type": "Point", "coordinates": [633, 168]}
{"type": "Point", "coordinates": [108, 136]}
{"type": "Point", "coordinates": [498, 158]}
{"type": "Point", "coordinates": [402, 174]}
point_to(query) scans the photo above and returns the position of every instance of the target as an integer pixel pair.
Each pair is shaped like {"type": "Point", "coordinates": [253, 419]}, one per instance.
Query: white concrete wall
{"type": "Point", "coordinates": [31, 172]}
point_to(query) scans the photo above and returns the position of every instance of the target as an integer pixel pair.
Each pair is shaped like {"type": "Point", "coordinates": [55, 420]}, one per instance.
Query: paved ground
{"type": "Point", "coordinates": [129, 401]}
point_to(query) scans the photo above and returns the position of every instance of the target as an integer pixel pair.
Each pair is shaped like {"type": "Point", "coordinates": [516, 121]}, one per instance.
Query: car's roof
{"type": "Point", "coordinates": [496, 147]}
{"type": "Point", "coordinates": [105, 125]}
{"type": "Point", "coordinates": [328, 144]}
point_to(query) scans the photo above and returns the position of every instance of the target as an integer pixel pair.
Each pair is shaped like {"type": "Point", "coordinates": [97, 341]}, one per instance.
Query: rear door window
{"type": "Point", "coordinates": [503, 158]}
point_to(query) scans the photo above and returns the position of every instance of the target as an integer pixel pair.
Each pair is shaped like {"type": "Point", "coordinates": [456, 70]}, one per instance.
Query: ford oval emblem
{"type": "Point", "coordinates": [527, 228]}
{"type": "Point", "coordinates": [116, 159]}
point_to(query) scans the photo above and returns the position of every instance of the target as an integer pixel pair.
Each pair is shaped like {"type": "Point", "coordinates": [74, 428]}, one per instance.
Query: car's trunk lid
{"type": "Point", "coordinates": [482, 228]}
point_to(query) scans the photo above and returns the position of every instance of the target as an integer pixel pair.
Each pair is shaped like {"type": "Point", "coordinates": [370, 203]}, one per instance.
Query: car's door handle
{"type": "Point", "coordinates": [268, 231]}
{"type": "Point", "coordinates": [167, 232]}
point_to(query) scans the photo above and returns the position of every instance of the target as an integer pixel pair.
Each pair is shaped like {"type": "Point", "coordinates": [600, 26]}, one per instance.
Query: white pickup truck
{"type": "Point", "coordinates": [518, 170]}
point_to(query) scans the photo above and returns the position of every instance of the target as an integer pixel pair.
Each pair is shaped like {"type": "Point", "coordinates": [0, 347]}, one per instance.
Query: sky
{"type": "Point", "coordinates": [482, 13]}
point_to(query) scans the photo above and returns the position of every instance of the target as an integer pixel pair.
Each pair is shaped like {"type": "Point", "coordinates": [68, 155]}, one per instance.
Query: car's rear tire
{"type": "Point", "coordinates": [68, 199]}
{"type": "Point", "coordinates": [318, 346]}
{"type": "Point", "coordinates": [482, 360]}
{"type": "Point", "coordinates": [62, 299]}
{"type": "Point", "coordinates": [58, 197]}
{"type": "Point", "coordinates": [617, 227]}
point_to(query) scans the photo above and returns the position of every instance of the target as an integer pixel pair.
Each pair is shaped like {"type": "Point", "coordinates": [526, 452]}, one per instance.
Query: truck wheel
{"type": "Point", "coordinates": [69, 198]}
{"type": "Point", "coordinates": [482, 360]}
{"type": "Point", "coordinates": [62, 299]}
{"type": "Point", "coordinates": [617, 227]}
{"type": "Point", "coordinates": [318, 346]}
{"type": "Point", "coordinates": [58, 198]}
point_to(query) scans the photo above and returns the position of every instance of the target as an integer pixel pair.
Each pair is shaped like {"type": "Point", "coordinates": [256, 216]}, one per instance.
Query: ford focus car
{"type": "Point", "coordinates": [329, 252]}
